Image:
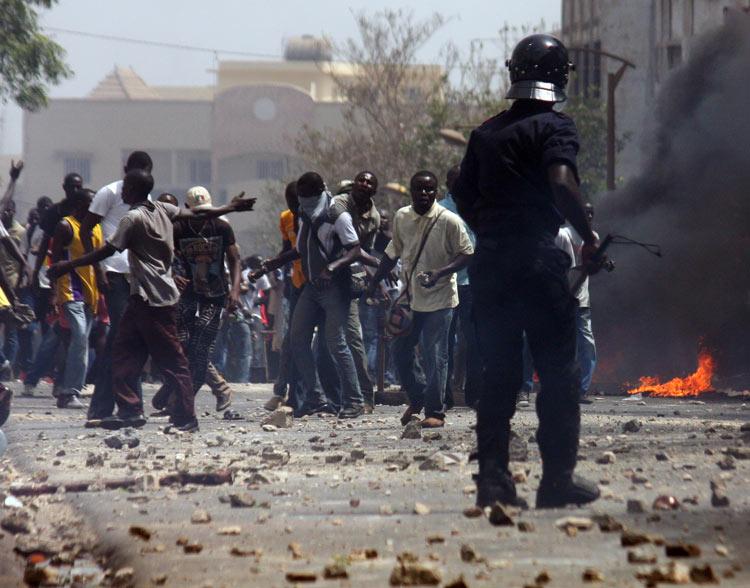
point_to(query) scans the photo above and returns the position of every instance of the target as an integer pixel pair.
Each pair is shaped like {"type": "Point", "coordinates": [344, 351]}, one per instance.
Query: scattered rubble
{"type": "Point", "coordinates": [632, 426]}
{"type": "Point", "coordinates": [281, 418]}
{"type": "Point", "coordinates": [500, 516]}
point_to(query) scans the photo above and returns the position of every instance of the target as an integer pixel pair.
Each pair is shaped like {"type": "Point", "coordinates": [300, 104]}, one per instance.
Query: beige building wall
{"type": "Point", "coordinates": [93, 137]}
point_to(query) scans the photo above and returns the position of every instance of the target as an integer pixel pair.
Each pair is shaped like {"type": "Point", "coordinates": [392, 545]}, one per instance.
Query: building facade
{"type": "Point", "coordinates": [236, 135]}
{"type": "Point", "coordinates": [655, 35]}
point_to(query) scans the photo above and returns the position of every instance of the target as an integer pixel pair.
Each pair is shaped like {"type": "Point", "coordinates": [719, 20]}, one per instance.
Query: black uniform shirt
{"type": "Point", "coordinates": [503, 190]}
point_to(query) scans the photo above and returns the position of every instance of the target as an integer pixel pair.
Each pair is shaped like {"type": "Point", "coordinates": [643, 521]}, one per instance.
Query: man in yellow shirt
{"type": "Point", "coordinates": [77, 295]}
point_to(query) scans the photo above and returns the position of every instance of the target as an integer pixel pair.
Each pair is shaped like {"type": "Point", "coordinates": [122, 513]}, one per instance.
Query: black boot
{"type": "Point", "coordinates": [565, 489]}
{"type": "Point", "coordinates": [494, 482]}
{"type": "Point", "coordinates": [557, 437]}
{"type": "Point", "coordinates": [495, 487]}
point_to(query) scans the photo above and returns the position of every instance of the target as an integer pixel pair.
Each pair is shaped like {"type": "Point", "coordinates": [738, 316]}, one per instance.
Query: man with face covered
{"type": "Point", "coordinates": [433, 245]}
{"type": "Point", "coordinates": [327, 245]}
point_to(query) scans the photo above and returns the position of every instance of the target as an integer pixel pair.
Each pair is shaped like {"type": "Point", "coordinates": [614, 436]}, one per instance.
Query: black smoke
{"type": "Point", "coordinates": [693, 198]}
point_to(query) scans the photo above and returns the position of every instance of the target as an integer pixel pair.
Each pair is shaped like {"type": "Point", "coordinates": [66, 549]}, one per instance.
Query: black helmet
{"type": "Point", "coordinates": [539, 69]}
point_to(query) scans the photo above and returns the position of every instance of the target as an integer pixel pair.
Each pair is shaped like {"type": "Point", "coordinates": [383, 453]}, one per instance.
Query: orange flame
{"type": "Point", "coordinates": [692, 385]}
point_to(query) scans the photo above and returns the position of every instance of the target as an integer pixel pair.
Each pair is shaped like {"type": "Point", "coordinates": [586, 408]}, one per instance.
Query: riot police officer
{"type": "Point", "coordinates": [518, 184]}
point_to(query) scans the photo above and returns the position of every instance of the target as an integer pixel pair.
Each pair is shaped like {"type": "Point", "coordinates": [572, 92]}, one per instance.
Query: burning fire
{"type": "Point", "coordinates": [692, 385]}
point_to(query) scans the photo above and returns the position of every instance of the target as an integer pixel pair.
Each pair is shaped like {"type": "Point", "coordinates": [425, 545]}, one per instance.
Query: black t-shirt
{"type": "Point", "coordinates": [503, 188]}
{"type": "Point", "coordinates": [202, 246]}
{"type": "Point", "coordinates": [53, 215]}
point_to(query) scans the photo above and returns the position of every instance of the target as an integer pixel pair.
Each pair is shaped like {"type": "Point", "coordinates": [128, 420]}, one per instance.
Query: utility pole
{"type": "Point", "coordinates": [613, 79]}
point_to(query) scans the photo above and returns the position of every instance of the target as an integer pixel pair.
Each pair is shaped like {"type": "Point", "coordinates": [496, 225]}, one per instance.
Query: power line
{"type": "Point", "coordinates": [160, 44]}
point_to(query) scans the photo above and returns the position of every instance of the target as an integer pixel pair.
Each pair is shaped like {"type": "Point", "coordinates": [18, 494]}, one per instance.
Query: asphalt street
{"type": "Point", "coordinates": [324, 499]}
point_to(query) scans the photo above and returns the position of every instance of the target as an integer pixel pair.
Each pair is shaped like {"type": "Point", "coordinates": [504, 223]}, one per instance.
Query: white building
{"type": "Point", "coordinates": [236, 135]}
{"type": "Point", "coordinates": [655, 35]}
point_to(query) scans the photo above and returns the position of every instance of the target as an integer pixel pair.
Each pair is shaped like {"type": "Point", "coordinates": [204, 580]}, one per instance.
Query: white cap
{"type": "Point", "coordinates": [198, 198]}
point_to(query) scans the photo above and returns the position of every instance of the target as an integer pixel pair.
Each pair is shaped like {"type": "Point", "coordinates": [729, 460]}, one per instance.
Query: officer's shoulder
{"type": "Point", "coordinates": [560, 119]}
{"type": "Point", "coordinates": [491, 122]}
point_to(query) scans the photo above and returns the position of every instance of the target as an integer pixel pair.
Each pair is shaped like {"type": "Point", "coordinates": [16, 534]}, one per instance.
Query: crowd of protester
{"type": "Point", "coordinates": [110, 287]}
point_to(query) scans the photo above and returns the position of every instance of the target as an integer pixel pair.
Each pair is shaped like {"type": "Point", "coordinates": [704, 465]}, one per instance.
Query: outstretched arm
{"type": "Point", "coordinates": [95, 256]}
{"type": "Point", "coordinates": [274, 263]}
{"type": "Point", "coordinates": [384, 269]}
{"type": "Point", "coordinates": [238, 204]}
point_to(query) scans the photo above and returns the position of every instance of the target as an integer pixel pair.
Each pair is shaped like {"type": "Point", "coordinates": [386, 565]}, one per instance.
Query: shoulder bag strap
{"type": "Point", "coordinates": [419, 253]}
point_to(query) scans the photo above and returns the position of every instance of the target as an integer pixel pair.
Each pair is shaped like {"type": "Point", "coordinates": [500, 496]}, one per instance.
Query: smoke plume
{"type": "Point", "coordinates": [693, 198]}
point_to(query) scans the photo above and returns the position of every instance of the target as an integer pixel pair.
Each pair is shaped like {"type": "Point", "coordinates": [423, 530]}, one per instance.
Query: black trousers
{"type": "Point", "coordinates": [521, 289]}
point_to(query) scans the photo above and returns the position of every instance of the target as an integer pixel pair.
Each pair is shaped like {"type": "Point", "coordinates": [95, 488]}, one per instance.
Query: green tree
{"type": "Point", "coordinates": [590, 117]}
{"type": "Point", "coordinates": [389, 102]}
{"type": "Point", "coordinates": [394, 131]}
{"type": "Point", "coordinates": [29, 60]}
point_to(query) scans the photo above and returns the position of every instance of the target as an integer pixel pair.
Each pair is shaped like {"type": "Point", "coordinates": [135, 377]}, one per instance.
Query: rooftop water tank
{"type": "Point", "coordinates": [308, 48]}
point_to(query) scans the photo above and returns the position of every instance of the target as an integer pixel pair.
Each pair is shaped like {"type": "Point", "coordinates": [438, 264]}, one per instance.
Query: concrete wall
{"type": "Point", "coordinates": [104, 131]}
{"type": "Point", "coordinates": [656, 35]}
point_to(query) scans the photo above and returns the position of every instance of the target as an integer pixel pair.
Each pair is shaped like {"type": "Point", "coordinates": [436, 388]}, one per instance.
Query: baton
{"type": "Point", "coordinates": [595, 259]}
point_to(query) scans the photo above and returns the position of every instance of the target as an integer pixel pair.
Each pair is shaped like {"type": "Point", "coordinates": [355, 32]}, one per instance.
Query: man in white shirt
{"type": "Point", "coordinates": [571, 242]}
{"type": "Point", "coordinates": [433, 245]}
{"type": "Point", "coordinates": [108, 208]}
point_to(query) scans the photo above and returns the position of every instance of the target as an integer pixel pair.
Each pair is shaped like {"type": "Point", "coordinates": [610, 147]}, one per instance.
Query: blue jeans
{"type": "Point", "coordinates": [80, 319]}
{"type": "Point", "coordinates": [586, 348]}
{"type": "Point", "coordinates": [103, 400]}
{"type": "Point", "coordinates": [425, 389]}
{"type": "Point", "coordinates": [332, 304]}
{"type": "Point", "coordinates": [369, 315]}
{"type": "Point", "coordinates": [10, 347]}
{"type": "Point", "coordinates": [287, 373]}
{"type": "Point", "coordinates": [45, 356]}
{"type": "Point", "coordinates": [239, 349]}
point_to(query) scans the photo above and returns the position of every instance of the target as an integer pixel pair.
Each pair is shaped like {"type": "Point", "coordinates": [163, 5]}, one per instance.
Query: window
{"type": "Point", "coordinates": [674, 56]}
{"type": "Point", "coordinates": [200, 172]}
{"type": "Point", "coordinates": [666, 20]}
{"type": "Point", "coordinates": [76, 164]}
{"type": "Point", "coordinates": [689, 18]}
{"type": "Point", "coordinates": [270, 169]}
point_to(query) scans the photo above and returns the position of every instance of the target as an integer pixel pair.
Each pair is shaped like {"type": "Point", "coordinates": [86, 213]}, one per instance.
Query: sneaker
{"type": "Point", "coordinates": [70, 401]}
{"type": "Point", "coordinates": [93, 423]}
{"type": "Point", "coordinates": [188, 426]}
{"type": "Point", "coordinates": [321, 409]}
{"type": "Point", "coordinates": [28, 391]}
{"type": "Point", "coordinates": [585, 400]}
{"type": "Point", "coordinates": [432, 423]}
{"type": "Point", "coordinates": [6, 371]}
{"type": "Point", "coordinates": [274, 403]}
{"type": "Point", "coordinates": [352, 412]}
{"type": "Point", "coordinates": [564, 491]}
{"type": "Point", "coordinates": [115, 422]}
{"type": "Point", "coordinates": [223, 400]}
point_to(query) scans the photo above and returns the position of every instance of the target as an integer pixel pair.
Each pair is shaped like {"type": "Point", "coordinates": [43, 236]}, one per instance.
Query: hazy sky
{"type": "Point", "coordinates": [238, 25]}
